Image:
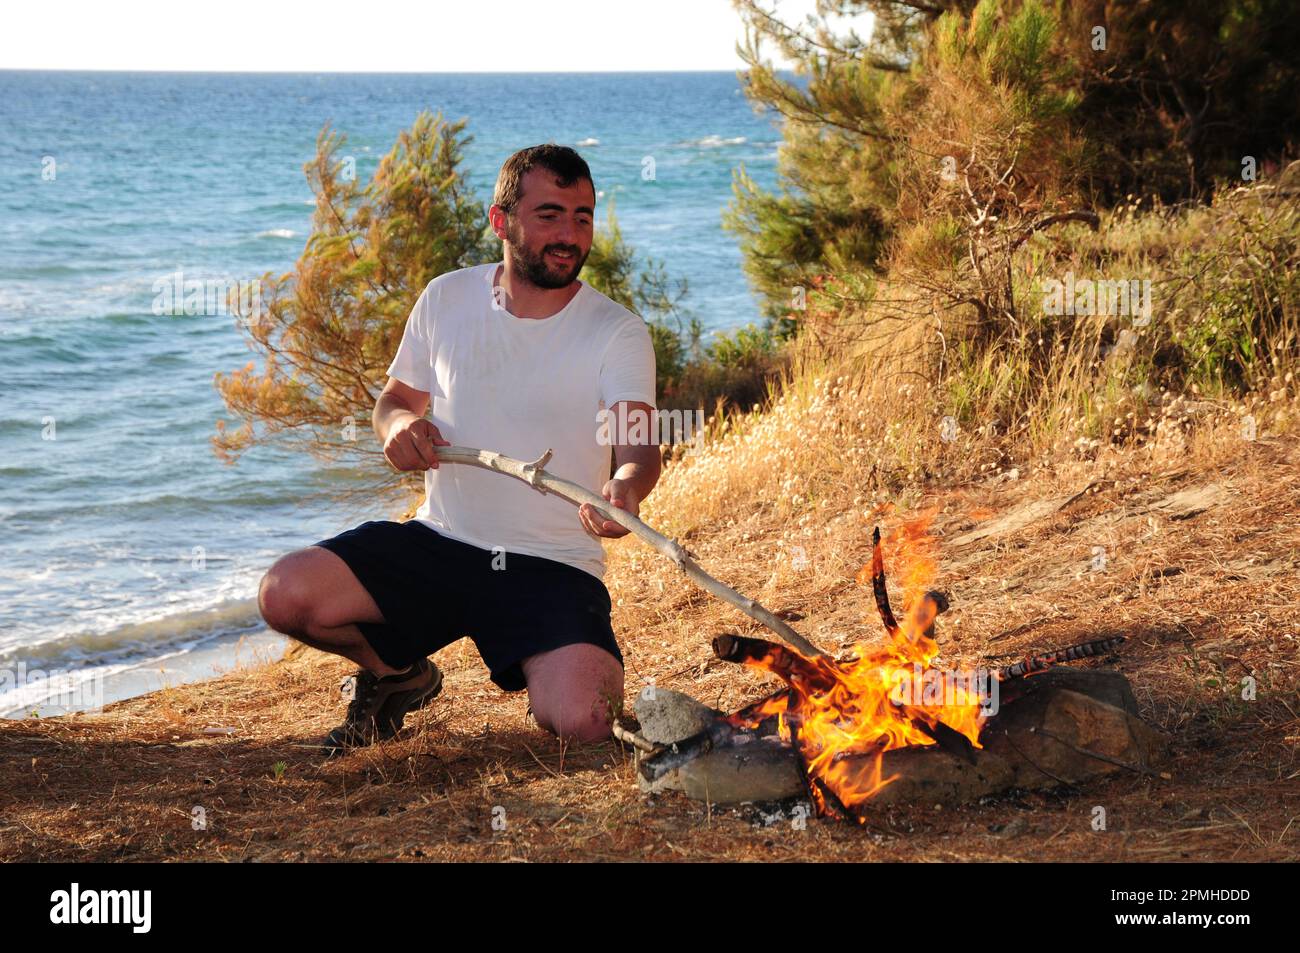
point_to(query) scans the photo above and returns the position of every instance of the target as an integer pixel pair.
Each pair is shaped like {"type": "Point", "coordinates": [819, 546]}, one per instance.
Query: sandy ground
{"type": "Point", "coordinates": [1200, 571]}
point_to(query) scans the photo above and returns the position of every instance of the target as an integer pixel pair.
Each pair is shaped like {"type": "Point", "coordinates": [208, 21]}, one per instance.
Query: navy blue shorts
{"type": "Point", "coordinates": [433, 590]}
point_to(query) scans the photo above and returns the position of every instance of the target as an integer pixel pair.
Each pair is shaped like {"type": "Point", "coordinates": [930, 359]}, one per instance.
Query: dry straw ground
{"type": "Point", "coordinates": [1198, 530]}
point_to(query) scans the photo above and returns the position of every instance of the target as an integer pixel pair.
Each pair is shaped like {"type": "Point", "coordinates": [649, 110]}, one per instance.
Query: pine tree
{"type": "Point", "coordinates": [1096, 100]}
{"type": "Point", "coordinates": [328, 330]}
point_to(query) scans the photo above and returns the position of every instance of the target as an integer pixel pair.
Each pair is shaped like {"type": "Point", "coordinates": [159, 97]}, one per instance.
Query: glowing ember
{"type": "Point", "coordinates": [842, 716]}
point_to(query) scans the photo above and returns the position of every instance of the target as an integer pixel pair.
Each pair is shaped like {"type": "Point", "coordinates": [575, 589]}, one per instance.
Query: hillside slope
{"type": "Point", "coordinates": [1201, 548]}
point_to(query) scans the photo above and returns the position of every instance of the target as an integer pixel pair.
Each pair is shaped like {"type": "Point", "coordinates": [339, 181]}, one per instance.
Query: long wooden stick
{"type": "Point", "coordinates": [535, 475]}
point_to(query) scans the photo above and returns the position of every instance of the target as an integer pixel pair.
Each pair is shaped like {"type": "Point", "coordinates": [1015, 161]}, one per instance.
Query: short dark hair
{"type": "Point", "coordinates": [566, 164]}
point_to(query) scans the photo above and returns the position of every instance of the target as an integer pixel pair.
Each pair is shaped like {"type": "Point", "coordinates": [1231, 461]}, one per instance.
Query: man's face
{"type": "Point", "coordinates": [550, 229]}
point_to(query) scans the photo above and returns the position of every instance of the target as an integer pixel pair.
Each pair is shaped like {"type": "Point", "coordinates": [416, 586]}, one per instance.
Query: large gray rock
{"type": "Point", "coordinates": [667, 716]}
{"type": "Point", "coordinates": [754, 769]}
{"type": "Point", "coordinates": [764, 769]}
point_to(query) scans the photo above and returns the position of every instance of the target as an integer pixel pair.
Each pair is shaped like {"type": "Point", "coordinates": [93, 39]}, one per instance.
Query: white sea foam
{"type": "Point", "coordinates": [130, 640]}
{"type": "Point", "coordinates": [25, 689]}
{"type": "Point", "coordinates": [717, 142]}
{"type": "Point", "coordinates": [590, 141]}
{"type": "Point", "coordinates": [277, 233]}
{"type": "Point", "coordinates": [79, 670]}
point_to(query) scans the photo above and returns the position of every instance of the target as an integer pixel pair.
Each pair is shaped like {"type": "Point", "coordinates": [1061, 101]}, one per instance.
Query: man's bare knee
{"type": "Point", "coordinates": [576, 721]}
{"type": "Point", "coordinates": [284, 596]}
{"type": "Point", "coordinates": [575, 691]}
{"type": "Point", "coordinates": [311, 593]}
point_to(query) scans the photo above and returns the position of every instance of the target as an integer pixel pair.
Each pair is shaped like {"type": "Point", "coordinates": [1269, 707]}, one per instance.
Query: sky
{"type": "Point", "coordinates": [426, 36]}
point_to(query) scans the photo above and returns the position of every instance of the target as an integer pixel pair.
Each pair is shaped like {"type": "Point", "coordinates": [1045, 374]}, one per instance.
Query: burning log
{"type": "Point", "coordinates": [1038, 663]}
{"type": "Point", "coordinates": [815, 677]}
{"type": "Point", "coordinates": [717, 734]}
{"type": "Point", "coordinates": [878, 585]}
{"type": "Point", "coordinates": [824, 799]}
{"type": "Point", "coordinates": [928, 608]}
{"type": "Point", "coordinates": [812, 675]}
{"type": "Point", "coordinates": [950, 740]}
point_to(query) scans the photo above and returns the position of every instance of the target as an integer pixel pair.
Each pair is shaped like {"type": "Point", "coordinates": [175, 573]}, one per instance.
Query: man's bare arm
{"type": "Point", "coordinates": [638, 468]}
{"type": "Point", "coordinates": [396, 401]}
{"type": "Point", "coordinates": [408, 437]}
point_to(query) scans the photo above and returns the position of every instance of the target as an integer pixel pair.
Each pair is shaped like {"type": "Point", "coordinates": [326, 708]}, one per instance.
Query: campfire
{"type": "Point", "coordinates": [882, 723]}
{"type": "Point", "coordinates": [839, 718]}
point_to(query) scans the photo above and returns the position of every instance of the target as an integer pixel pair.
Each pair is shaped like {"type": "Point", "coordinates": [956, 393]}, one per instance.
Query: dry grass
{"type": "Point", "coordinates": [1204, 583]}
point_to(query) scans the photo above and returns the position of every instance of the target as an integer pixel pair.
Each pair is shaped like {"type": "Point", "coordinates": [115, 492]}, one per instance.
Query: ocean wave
{"type": "Point", "coordinates": [175, 631]}
{"type": "Point", "coordinates": [277, 233]}
{"type": "Point", "coordinates": [53, 270]}
{"type": "Point", "coordinates": [294, 207]}
{"type": "Point", "coordinates": [41, 348]}
{"type": "Point", "coordinates": [221, 500]}
{"type": "Point", "coordinates": [27, 337]}
{"type": "Point", "coordinates": [717, 142]}
{"type": "Point", "coordinates": [168, 359]}
{"type": "Point", "coordinates": [31, 427]}
{"type": "Point", "coordinates": [21, 471]}
{"type": "Point", "coordinates": [129, 318]}
{"type": "Point", "coordinates": [62, 691]}
{"type": "Point", "coordinates": [137, 286]}
{"type": "Point", "coordinates": [32, 689]}
{"type": "Point", "coordinates": [590, 141]}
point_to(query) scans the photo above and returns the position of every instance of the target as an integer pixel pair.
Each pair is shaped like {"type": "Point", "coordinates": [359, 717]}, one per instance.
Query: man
{"type": "Point", "coordinates": [516, 356]}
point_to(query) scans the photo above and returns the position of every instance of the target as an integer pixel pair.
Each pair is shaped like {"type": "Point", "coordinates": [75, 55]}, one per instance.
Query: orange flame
{"type": "Point", "coordinates": [842, 716]}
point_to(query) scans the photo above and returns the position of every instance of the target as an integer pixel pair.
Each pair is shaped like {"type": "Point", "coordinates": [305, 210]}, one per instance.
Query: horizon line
{"type": "Point", "coordinates": [331, 72]}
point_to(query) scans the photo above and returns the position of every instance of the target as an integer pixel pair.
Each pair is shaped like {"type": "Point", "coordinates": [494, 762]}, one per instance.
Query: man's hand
{"type": "Point", "coordinates": [620, 493]}
{"type": "Point", "coordinates": [410, 444]}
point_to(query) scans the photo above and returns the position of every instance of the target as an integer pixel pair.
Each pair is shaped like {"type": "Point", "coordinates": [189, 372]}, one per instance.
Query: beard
{"type": "Point", "coordinates": [537, 269]}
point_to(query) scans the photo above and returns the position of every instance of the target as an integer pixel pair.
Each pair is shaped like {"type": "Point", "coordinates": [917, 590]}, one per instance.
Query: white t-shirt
{"type": "Point", "coordinates": [519, 386]}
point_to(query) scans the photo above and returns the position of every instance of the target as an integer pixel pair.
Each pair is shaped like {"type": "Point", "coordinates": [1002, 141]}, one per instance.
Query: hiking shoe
{"type": "Point", "coordinates": [379, 705]}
